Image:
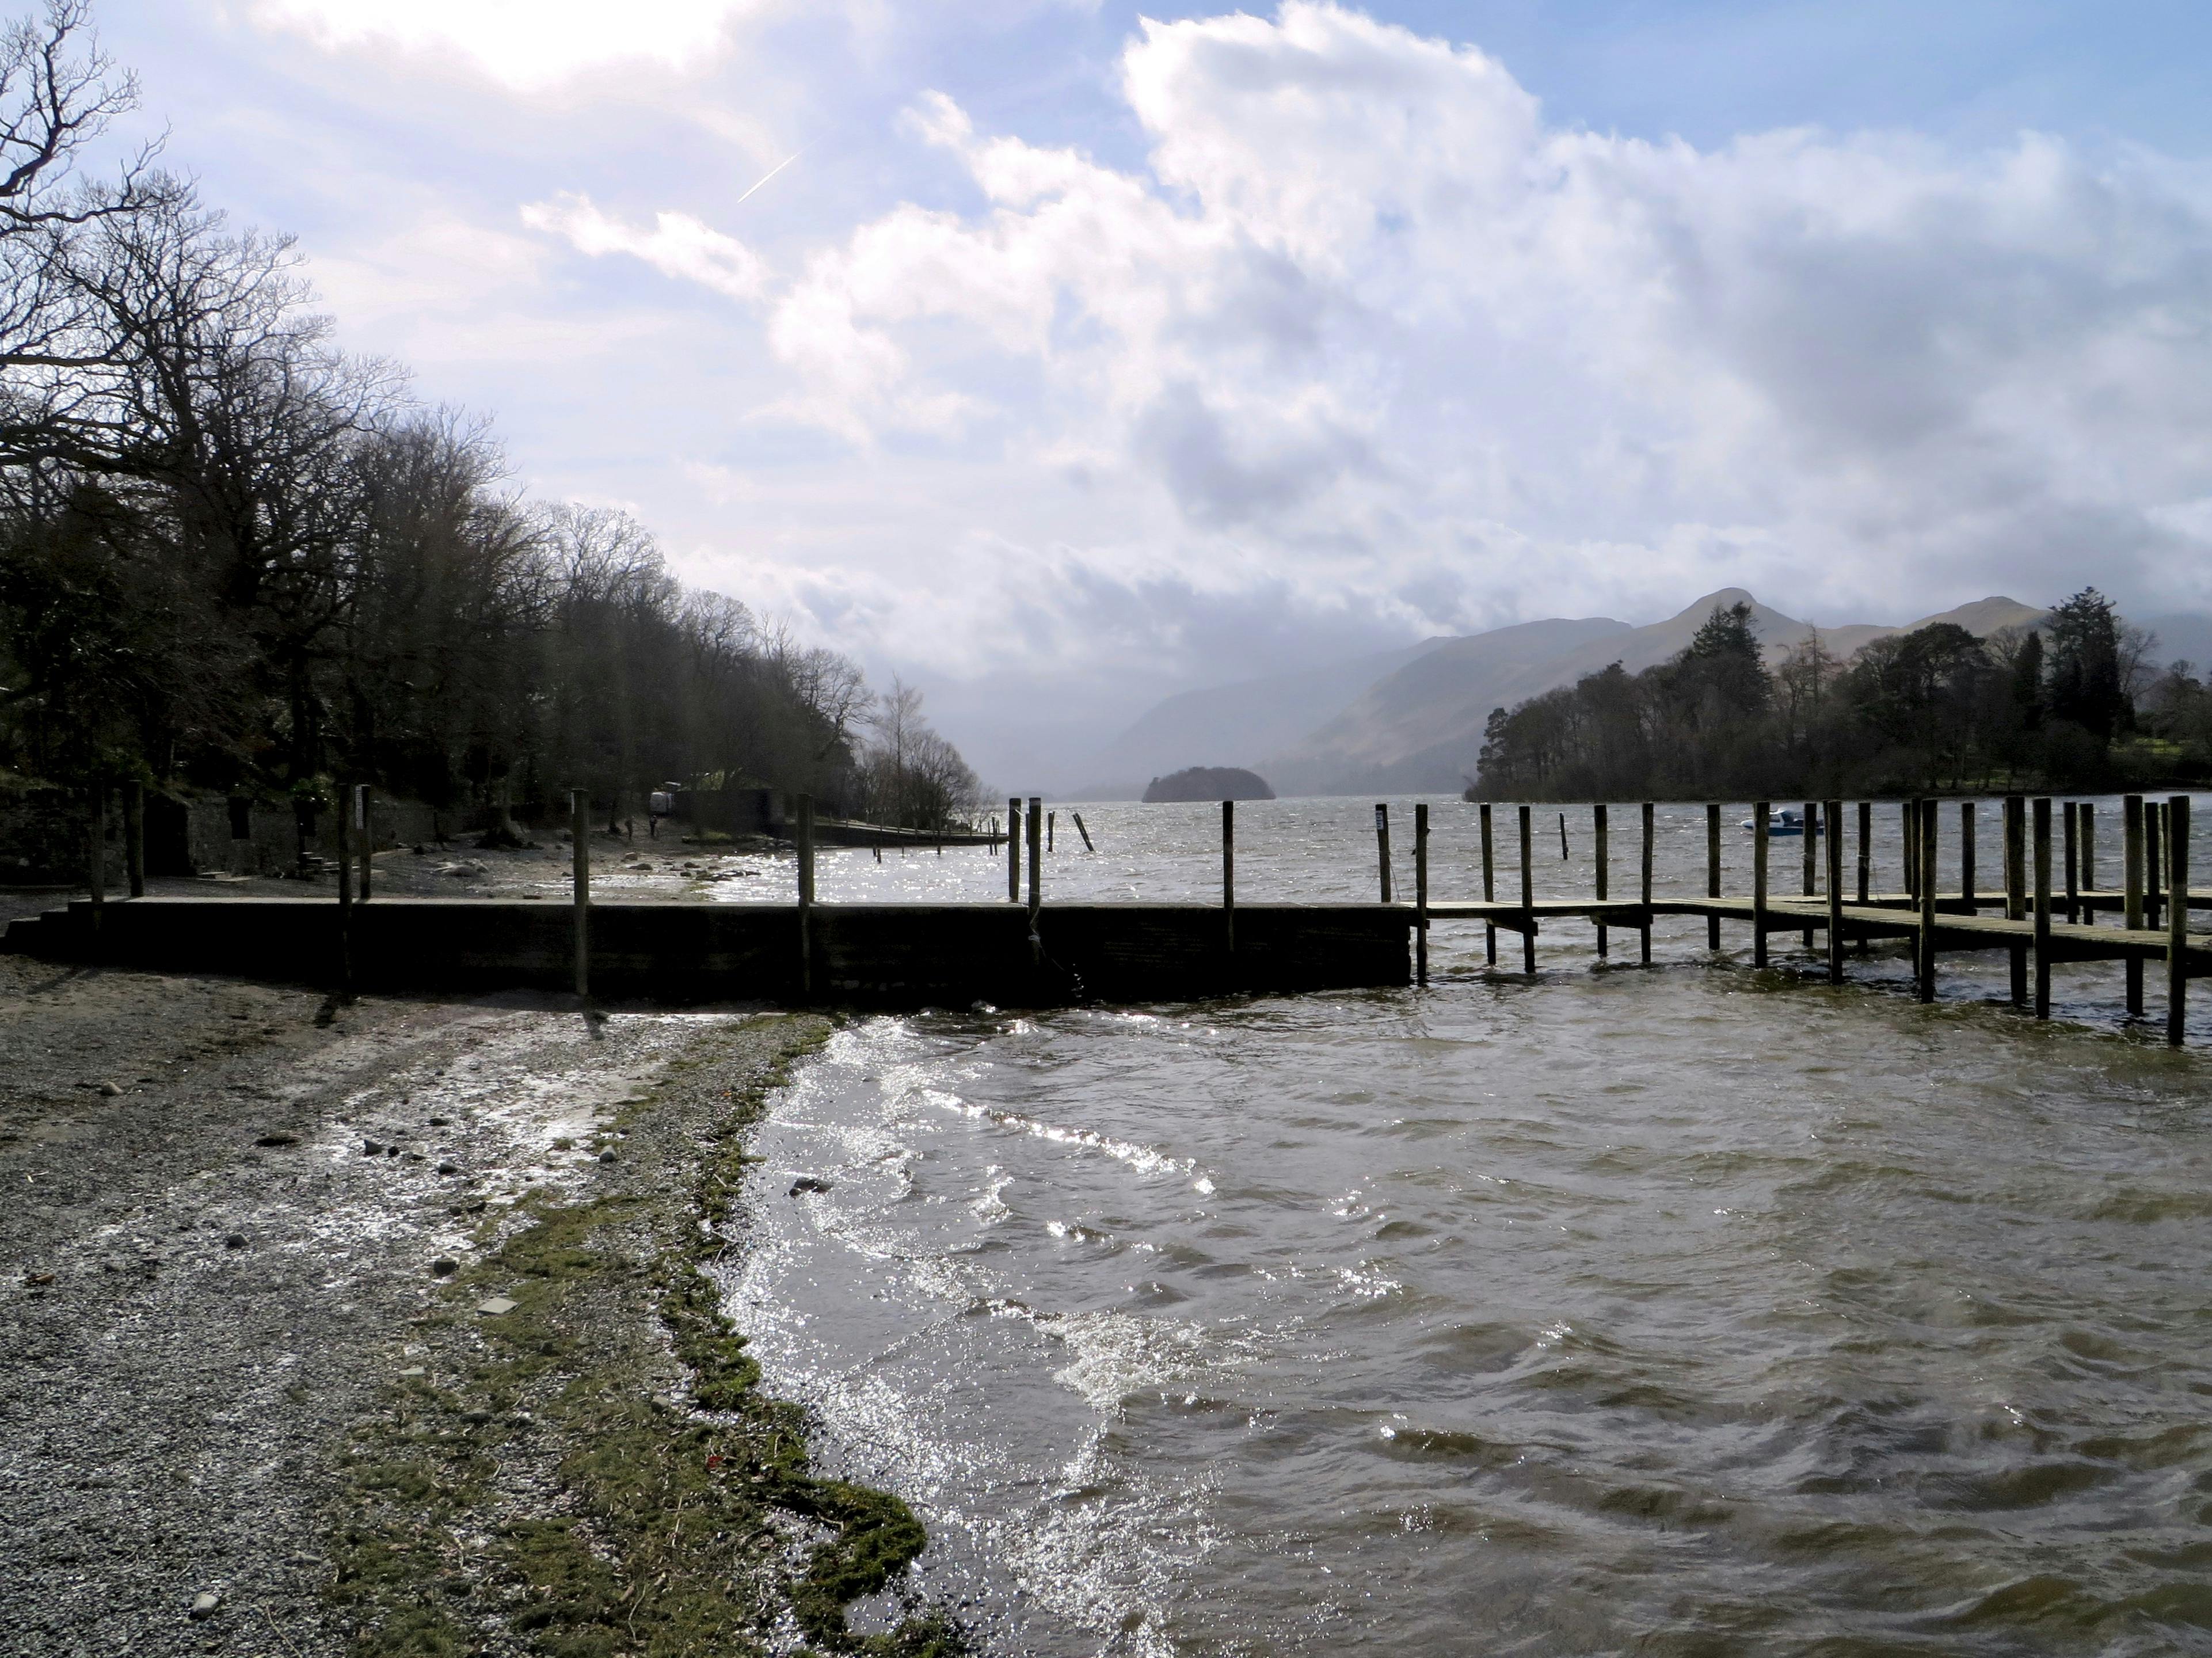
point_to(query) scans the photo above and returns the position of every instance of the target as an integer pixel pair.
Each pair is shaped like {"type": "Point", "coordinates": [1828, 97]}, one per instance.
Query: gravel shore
{"type": "Point", "coordinates": [240, 1218]}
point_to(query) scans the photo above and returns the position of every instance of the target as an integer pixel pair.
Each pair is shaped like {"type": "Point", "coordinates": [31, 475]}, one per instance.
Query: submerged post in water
{"type": "Point", "coordinates": [2154, 863]}
{"type": "Point", "coordinates": [1966, 856]}
{"type": "Point", "coordinates": [1928, 825]}
{"type": "Point", "coordinates": [1420, 892]}
{"type": "Point", "coordinates": [1758, 816]}
{"type": "Point", "coordinates": [1835, 828]}
{"type": "Point", "coordinates": [2043, 906]}
{"type": "Point", "coordinates": [2177, 926]}
{"type": "Point", "coordinates": [1712, 871]}
{"type": "Point", "coordinates": [1645, 930]}
{"type": "Point", "coordinates": [1489, 887]}
{"type": "Point", "coordinates": [1866, 851]}
{"type": "Point", "coordinates": [1527, 897]}
{"type": "Point", "coordinates": [1811, 851]}
{"type": "Point", "coordinates": [1908, 822]}
{"type": "Point", "coordinates": [2132, 910]}
{"type": "Point", "coordinates": [2087, 814]}
{"type": "Point", "coordinates": [1383, 846]}
{"type": "Point", "coordinates": [1081, 831]}
{"type": "Point", "coordinates": [2072, 852]}
{"type": "Point", "coordinates": [1597, 828]}
{"type": "Point", "coordinates": [2016, 875]}
{"type": "Point", "coordinates": [1037, 859]}
{"type": "Point", "coordinates": [1229, 875]}
{"type": "Point", "coordinates": [1014, 851]}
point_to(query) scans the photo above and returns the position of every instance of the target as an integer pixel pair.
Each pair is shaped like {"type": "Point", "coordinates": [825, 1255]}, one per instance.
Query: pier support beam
{"type": "Point", "coordinates": [1229, 878]}
{"type": "Point", "coordinates": [2176, 930]}
{"type": "Point", "coordinates": [1646, 931]}
{"type": "Point", "coordinates": [1604, 857]}
{"type": "Point", "coordinates": [1421, 892]}
{"type": "Point", "coordinates": [1528, 896]}
{"type": "Point", "coordinates": [2131, 909]}
{"type": "Point", "coordinates": [2043, 906]}
{"type": "Point", "coordinates": [1835, 830]}
{"type": "Point", "coordinates": [2015, 878]}
{"type": "Point", "coordinates": [1925, 824]}
{"type": "Point", "coordinates": [1712, 872]}
{"type": "Point", "coordinates": [1014, 850]}
{"type": "Point", "coordinates": [1812, 854]}
{"type": "Point", "coordinates": [1489, 887]}
{"type": "Point", "coordinates": [1759, 833]}
{"type": "Point", "coordinates": [1382, 845]}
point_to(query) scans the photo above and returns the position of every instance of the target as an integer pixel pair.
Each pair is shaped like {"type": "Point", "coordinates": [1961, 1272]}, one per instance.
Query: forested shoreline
{"type": "Point", "coordinates": [235, 557]}
{"type": "Point", "coordinates": [2072, 704]}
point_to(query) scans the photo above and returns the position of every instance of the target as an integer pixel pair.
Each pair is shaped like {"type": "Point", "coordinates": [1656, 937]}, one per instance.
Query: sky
{"type": "Point", "coordinates": [1058, 357]}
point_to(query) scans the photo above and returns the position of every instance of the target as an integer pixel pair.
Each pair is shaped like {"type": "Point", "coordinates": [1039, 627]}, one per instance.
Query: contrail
{"type": "Point", "coordinates": [772, 171]}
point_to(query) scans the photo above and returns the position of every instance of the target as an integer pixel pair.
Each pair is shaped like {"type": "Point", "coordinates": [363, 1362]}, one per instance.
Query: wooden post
{"type": "Point", "coordinates": [1835, 832]}
{"type": "Point", "coordinates": [95, 867]}
{"type": "Point", "coordinates": [1712, 871]}
{"type": "Point", "coordinates": [1051, 820]}
{"type": "Point", "coordinates": [2132, 911]}
{"type": "Point", "coordinates": [1528, 896]}
{"type": "Point", "coordinates": [2087, 814]}
{"type": "Point", "coordinates": [1758, 816]}
{"type": "Point", "coordinates": [1563, 837]}
{"type": "Point", "coordinates": [1228, 875]}
{"type": "Point", "coordinates": [1081, 831]}
{"type": "Point", "coordinates": [1811, 850]}
{"type": "Point", "coordinates": [2177, 925]}
{"type": "Point", "coordinates": [1598, 827]}
{"type": "Point", "coordinates": [1967, 858]}
{"type": "Point", "coordinates": [1421, 892]}
{"type": "Point", "coordinates": [1036, 861]}
{"type": "Point", "coordinates": [2073, 852]}
{"type": "Point", "coordinates": [580, 864]}
{"type": "Point", "coordinates": [344, 808]}
{"type": "Point", "coordinates": [2043, 906]}
{"type": "Point", "coordinates": [1926, 860]}
{"type": "Point", "coordinates": [805, 847]}
{"type": "Point", "coordinates": [134, 837]}
{"type": "Point", "coordinates": [1014, 851]}
{"type": "Point", "coordinates": [2154, 863]}
{"type": "Point", "coordinates": [1908, 817]}
{"type": "Point", "coordinates": [1646, 929]}
{"type": "Point", "coordinates": [1866, 851]}
{"type": "Point", "coordinates": [1489, 887]}
{"type": "Point", "coordinates": [2016, 877]}
{"type": "Point", "coordinates": [1383, 846]}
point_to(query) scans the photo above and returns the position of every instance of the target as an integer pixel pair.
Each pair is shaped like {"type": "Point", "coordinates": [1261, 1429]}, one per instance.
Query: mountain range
{"type": "Point", "coordinates": [1411, 721]}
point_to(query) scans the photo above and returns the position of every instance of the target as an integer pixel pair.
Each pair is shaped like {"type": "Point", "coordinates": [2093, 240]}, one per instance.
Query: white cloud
{"type": "Point", "coordinates": [524, 43]}
{"type": "Point", "coordinates": [677, 244]}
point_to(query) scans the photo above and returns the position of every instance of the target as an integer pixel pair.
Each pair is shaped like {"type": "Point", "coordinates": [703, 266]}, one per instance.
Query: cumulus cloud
{"type": "Point", "coordinates": [1365, 310]}
{"type": "Point", "coordinates": [524, 43]}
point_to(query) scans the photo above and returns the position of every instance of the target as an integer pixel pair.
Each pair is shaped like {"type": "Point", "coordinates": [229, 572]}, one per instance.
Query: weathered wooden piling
{"type": "Point", "coordinates": [1014, 850]}
{"type": "Point", "coordinates": [1758, 833]}
{"type": "Point", "coordinates": [1645, 930]}
{"type": "Point", "coordinates": [1908, 822]}
{"type": "Point", "coordinates": [1866, 851]}
{"type": "Point", "coordinates": [1081, 831]}
{"type": "Point", "coordinates": [344, 811]}
{"type": "Point", "coordinates": [2015, 874]}
{"type": "Point", "coordinates": [2154, 863]}
{"type": "Point", "coordinates": [579, 865]}
{"type": "Point", "coordinates": [1926, 859]}
{"type": "Point", "coordinates": [1810, 852]}
{"type": "Point", "coordinates": [1421, 892]}
{"type": "Point", "coordinates": [1835, 832]}
{"type": "Point", "coordinates": [1489, 887]}
{"type": "Point", "coordinates": [1602, 858]}
{"type": "Point", "coordinates": [2088, 813]}
{"type": "Point", "coordinates": [2177, 931]}
{"type": "Point", "coordinates": [1382, 847]}
{"type": "Point", "coordinates": [1528, 896]}
{"type": "Point", "coordinates": [1229, 875]}
{"type": "Point", "coordinates": [133, 838]}
{"type": "Point", "coordinates": [1712, 871]}
{"type": "Point", "coordinates": [1050, 820]}
{"type": "Point", "coordinates": [2070, 811]}
{"type": "Point", "coordinates": [1967, 858]}
{"type": "Point", "coordinates": [2043, 906]}
{"type": "Point", "coordinates": [1036, 861]}
{"type": "Point", "coordinates": [1563, 837]}
{"type": "Point", "coordinates": [2131, 906]}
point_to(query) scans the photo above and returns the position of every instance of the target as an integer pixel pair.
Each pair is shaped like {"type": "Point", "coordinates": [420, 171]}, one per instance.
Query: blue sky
{"type": "Point", "coordinates": [1073, 358]}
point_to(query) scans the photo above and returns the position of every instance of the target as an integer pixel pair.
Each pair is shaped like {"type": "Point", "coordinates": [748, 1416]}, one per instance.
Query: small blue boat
{"type": "Point", "coordinates": [1781, 823]}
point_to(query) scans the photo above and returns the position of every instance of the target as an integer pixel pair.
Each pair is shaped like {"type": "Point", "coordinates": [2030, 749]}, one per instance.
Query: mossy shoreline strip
{"type": "Point", "coordinates": [596, 1472]}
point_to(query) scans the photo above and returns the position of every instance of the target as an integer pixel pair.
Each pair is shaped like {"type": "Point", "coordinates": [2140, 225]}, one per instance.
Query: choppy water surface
{"type": "Point", "coordinates": [1678, 1310]}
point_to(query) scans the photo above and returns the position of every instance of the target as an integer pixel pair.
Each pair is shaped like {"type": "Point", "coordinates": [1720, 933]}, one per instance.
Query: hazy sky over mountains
{"type": "Point", "coordinates": [1072, 356]}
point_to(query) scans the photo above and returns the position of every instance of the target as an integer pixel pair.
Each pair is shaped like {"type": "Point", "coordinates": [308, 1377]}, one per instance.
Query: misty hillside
{"type": "Point", "coordinates": [1413, 720]}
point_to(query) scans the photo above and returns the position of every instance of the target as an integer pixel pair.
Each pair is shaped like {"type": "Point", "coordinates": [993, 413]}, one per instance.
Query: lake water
{"type": "Point", "coordinates": [1687, 1309]}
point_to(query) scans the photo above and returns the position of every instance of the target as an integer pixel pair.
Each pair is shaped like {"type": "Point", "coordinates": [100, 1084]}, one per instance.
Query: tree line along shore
{"type": "Point", "coordinates": [2072, 704]}
{"type": "Point", "coordinates": [237, 559]}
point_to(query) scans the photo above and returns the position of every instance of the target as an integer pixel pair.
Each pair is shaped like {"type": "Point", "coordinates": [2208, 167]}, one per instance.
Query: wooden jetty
{"type": "Point", "coordinates": [1022, 953]}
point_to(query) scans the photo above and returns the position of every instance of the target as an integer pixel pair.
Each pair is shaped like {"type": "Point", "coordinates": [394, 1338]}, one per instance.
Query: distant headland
{"type": "Point", "coordinates": [1208, 783]}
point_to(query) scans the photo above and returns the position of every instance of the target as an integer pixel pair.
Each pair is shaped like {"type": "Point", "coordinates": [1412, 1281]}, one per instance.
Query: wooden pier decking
{"type": "Point", "coordinates": [1021, 953]}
